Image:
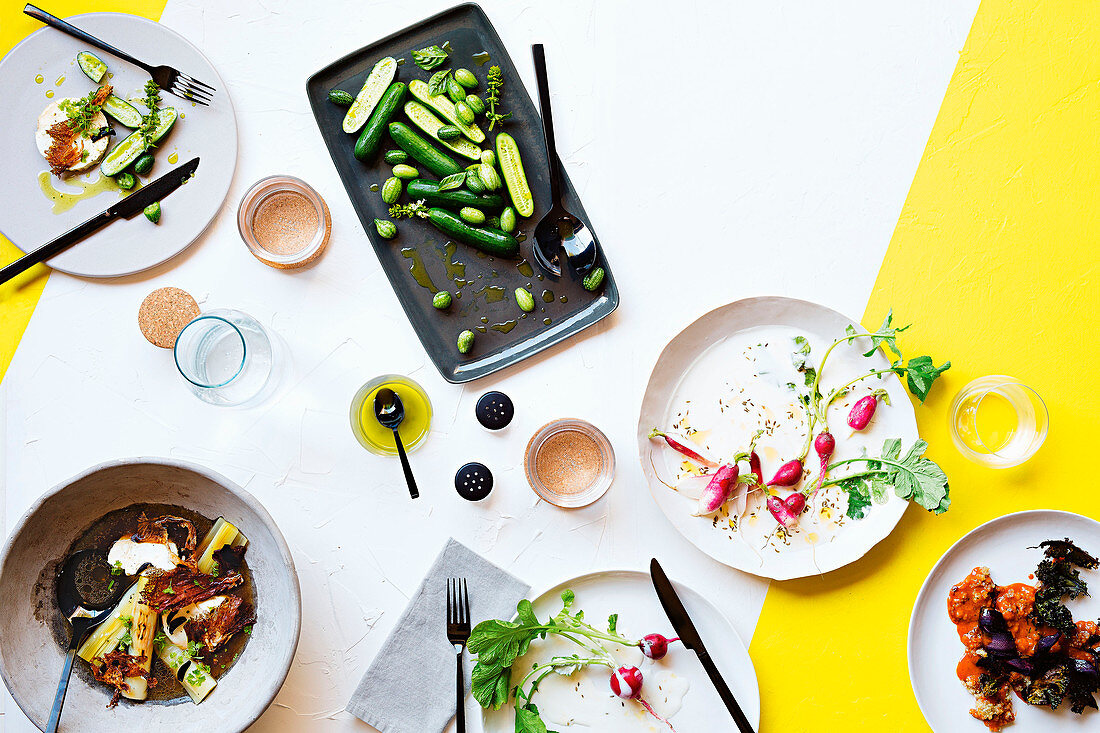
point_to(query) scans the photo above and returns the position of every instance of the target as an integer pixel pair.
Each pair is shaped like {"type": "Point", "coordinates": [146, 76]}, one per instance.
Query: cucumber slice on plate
{"type": "Point", "coordinates": [429, 123]}
{"type": "Point", "coordinates": [91, 65]}
{"type": "Point", "coordinates": [378, 81]}
{"type": "Point", "coordinates": [131, 148]}
{"type": "Point", "coordinates": [122, 111]}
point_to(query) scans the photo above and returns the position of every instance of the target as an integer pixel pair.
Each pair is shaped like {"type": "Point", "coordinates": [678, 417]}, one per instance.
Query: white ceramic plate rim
{"type": "Point", "coordinates": [11, 57]}
{"type": "Point", "coordinates": [929, 580]}
{"type": "Point", "coordinates": [781, 566]}
{"type": "Point", "coordinates": [643, 576]}
{"type": "Point", "coordinates": [259, 705]}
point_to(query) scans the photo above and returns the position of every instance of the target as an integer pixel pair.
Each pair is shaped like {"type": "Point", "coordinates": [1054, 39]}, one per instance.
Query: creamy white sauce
{"type": "Point", "coordinates": [91, 151]}
{"type": "Point", "coordinates": [130, 555]}
{"type": "Point", "coordinates": [741, 385]}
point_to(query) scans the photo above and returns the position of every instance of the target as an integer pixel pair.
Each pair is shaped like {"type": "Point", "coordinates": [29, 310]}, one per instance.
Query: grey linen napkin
{"type": "Point", "coordinates": [409, 687]}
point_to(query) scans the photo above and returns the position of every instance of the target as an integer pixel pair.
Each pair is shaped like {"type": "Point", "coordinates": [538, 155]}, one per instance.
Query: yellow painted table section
{"type": "Point", "coordinates": [19, 297]}
{"type": "Point", "coordinates": [995, 262]}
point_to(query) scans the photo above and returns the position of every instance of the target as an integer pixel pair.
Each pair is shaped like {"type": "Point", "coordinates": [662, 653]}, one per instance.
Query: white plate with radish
{"type": "Point", "coordinates": [778, 438]}
{"type": "Point", "coordinates": [1009, 547]}
{"type": "Point", "coordinates": [610, 617]}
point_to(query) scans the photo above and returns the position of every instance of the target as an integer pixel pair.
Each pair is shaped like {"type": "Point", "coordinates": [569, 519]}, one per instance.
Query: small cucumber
{"type": "Point", "coordinates": [508, 219]}
{"type": "Point", "coordinates": [441, 300]}
{"type": "Point", "coordinates": [455, 91]}
{"type": "Point", "coordinates": [370, 139]}
{"type": "Point", "coordinates": [143, 164]}
{"type": "Point", "coordinates": [488, 157]}
{"type": "Point", "coordinates": [385, 228]}
{"type": "Point", "coordinates": [405, 171]}
{"type": "Point", "coordinates": [125, 181]}
{"type": "Point", "coordinates": [489, 177]}
{"type": "Point", "coordinates": [422, 151]}
{"type": "Point", "coordinates": [466, 78]}
{"type": "Point", "coordinates": [465, 341]}
{"type": "Point", "coordinates": [391, 190]}
{"type": "Point", "coordinates": [340, 97]}
{"type": "Point", "coordinates": [473, 182]}
{"type": "Point", "coordinates": [125, 113]}
{"type": "Point", "coordinates": [525, 300]}
{"type": "Point", "coordinates": [475, 104]}
{"type": "Point", "coordinates": [464, 113]}
{"type": "Point", "coordinates": [168, 117]}
{"type": "Point", "coordinates": [396, 156]}
{"type": "Point", "coordinates": [594, 279]}
{"type": "Point", "coordinates": [426, 120]}
{"type": "Point", "coordinates": [448, 132]}
{"type": "Point", "coordinates": [511, 165]}
{"type": "Point", "coordinates": [152, 212]}
{"type": "Point", "coordinates": [470, 215]}
{"type": "Point", "coordinates": [446, 109]}
{"type": "Point", "coordinates": [91, 65]}
{"type": "Point", "coordinates": [378, 81]}
{"type": "Point", "coordinates": [454, 198]}
{"type": "Point", "coordinates": [123, 154]}
{"type": "Point", "coordinates": [490, 241]}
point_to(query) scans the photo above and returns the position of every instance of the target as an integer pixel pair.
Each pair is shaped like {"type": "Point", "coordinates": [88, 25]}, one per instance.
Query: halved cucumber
{"type": "Point", "coordinates": [511, 165]}
{"type": "Point", "coordinates": [125, 113]}
{"type": "Point", "coordinates": [423, 118]}
{"type": "Point", "coordinates": [444, 106]}
{"type": "Point", "coordinates": [131, 148]}
{"type": "Point", "coordinates": [91, 65]}
{"type": "Point", "coordinates": [378, 81]}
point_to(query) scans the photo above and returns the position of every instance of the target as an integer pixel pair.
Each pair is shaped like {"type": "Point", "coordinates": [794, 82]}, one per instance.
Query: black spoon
{"type": "Point", "coordinates": [82, 614]}
{"type": "Point", "coordinates": [390, 412]}
{"type": "Point", "coordinates": [558, 229]}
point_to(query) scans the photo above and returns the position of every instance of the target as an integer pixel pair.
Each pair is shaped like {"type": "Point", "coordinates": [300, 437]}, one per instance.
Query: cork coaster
{"type": "Point", "coordinates": [164, 313]}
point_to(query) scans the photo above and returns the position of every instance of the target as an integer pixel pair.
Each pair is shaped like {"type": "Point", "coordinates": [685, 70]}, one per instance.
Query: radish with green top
{"type": "Point", "coordinates": [679, 447]}
{"type": "Point", "coordinates": [718, 491]}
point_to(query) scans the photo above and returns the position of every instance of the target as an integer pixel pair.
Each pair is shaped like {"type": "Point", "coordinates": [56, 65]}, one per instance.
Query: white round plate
{"type": "Point", "coordinates": [630, 594]}
{"type": "Point", "coordinates": [934, 648]}
{"type": "Point", "coordinates": [128, 245]}
{"type": "Point", "coordinates": [695, 366]}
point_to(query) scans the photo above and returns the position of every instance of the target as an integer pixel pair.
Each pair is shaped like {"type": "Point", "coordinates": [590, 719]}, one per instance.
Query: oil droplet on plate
{"type": "Point", "coordinates": [49, 94]}
{"type": "Point", "coordinates": [39, 79]}
{"type": "Point", "coordinates": [492, 293]}
{"type": "Point", "coordinates": [374, 187]}
{"type": "Point", "coordinates": [481, 57]}
{"type": "Point", "coordinates": [63, 201]}
{"type": "Point", "coordinates": [419, 272]}
{"type": "Point", "coordinates": [173, 158]}
{"type": "Point", "coordinates": [547, 296]}
{"type": "Point", "coordinates": [182, 115]}
{"type": "Point", "coordinates": [547, 321]}
{"type": "Point", "coordinates": [480, 329]}
{"type": "Point", "coordinates": [504, 327]}
{"type": "Point", "coordinates": [60, 81]}
{"type": "Point", "coordinates": [564, 299]}
{"type": "Point", "coordinates": [484, 319]}
{"type": "Point", "coordinates": [525, 268]}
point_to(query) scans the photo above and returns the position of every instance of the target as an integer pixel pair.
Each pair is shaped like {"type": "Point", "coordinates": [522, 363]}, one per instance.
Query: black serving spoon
{"type": "Point", "coordinates": [80, 569]}
{"type": "Point", "coordinates": [390, 412]}
{"type": "Point", "coordinates": [559, 229]}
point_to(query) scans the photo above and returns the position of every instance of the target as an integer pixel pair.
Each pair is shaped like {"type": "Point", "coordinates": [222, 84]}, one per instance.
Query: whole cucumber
{"type": "Point", "coordinates": [370, 139]}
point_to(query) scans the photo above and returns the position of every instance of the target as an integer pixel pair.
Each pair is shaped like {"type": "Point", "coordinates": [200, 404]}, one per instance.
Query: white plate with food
{"type": "Point", "coordinates": [728, 436]}
{"type": "Point", "coordinates": [56, 175]}
{"type": "Point", "coordinates": [673, 690]}
{"type": "Point", "coordinates": [992, 627]}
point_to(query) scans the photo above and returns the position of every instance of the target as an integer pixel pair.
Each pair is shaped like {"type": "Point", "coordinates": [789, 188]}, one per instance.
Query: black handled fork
{"type": "Point", "coordinates": [458, 633]}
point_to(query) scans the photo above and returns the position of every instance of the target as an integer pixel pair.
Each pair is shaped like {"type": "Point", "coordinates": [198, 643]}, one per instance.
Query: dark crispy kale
{"type": "Point", "coordinates": [1049, 690]}
{"type": "Point", "coordinates": [1066, 549]}
{"type": "Point", "coordinates": [1058, 578]}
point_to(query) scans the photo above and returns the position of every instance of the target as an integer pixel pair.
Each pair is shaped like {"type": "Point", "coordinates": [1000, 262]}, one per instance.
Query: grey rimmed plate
{"type": "Point", "coordinates": [32, 650]}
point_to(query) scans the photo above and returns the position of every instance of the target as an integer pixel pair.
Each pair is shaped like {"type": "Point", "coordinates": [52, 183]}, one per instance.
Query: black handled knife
{"type": "Point", "coordinates": [678, 615]}
{"type": "Point", "coordinates": [133, 204]}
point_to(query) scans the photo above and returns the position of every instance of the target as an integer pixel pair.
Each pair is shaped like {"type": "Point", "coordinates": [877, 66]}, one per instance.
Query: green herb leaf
{"type": "Point", "coordinates": [438, 83]}
{"type": "Point", "coordinates": [613, 623]}
{"type": "Point", "coordinates": [919, 374]}
{"type": "Point", "coordinates": [802, 344]}
{"type": "Point", "coordinates": [528, 720]}
{"type": "Point", "coordinates": [455, 180]}
{"type": "Point", "coordinates": [151, 120]}
{"type": "Point", "coordinates": [911, 476]}
{"type": "Point", "coordinates": [526, 613]}
{"type": "Point", "coordinates": [499, 642]}
{"type": "Point", "coordinates": [430, 57]}
{"type": "Point", "coordinates": [858, 499]}
{"type": "Point", "coordinates": [886, 336]}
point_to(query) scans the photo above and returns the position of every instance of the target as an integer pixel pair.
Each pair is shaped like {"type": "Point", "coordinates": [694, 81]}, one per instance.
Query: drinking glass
{"type": "Point", "coordinates": [998, 421]}
{"type": "Point", "coordinates": [226, 357]}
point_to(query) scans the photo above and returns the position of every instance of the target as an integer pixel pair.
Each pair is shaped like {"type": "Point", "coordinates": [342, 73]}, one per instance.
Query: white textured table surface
{"type": "Point", "coordinates": [797, 129]}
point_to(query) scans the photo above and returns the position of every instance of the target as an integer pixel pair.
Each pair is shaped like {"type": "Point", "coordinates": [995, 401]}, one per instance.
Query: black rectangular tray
{"type": "Point", "coordinates": [483, 286]}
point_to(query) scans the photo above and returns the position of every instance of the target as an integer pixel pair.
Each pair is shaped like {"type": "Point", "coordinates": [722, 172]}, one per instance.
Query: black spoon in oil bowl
{"type": "Point", "coordinates": [558, 229]}
{"type": "Point", "coordinates": [87, 595]}
{"type": "Point", "coordinates": [390, 414]}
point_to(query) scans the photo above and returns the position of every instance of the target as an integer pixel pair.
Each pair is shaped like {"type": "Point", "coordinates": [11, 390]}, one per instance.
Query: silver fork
{"type": "Point", "coordinates": [458, 633]}
{"type": "Point", "coordinates": [167, 78]}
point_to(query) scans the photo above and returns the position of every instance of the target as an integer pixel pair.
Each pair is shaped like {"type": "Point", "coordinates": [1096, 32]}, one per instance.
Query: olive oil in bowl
{"type": "Point", "coordinates": [414, 428]}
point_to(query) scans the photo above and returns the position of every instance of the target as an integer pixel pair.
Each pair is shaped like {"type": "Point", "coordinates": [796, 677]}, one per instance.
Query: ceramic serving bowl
{"type": "Point", "coordinates": [33, 634]}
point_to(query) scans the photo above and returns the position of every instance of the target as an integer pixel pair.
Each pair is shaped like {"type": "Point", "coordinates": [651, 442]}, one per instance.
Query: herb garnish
{"type": "Point", "coordinates": [912, 477]}
{"type": "Point", "coordinates": [432, 56]}
{"type": "Point", "coordinates": [438, 83]}
{"type": "Point", "coordinates": [151, 121]}
{"type": "Point", "coordinates": [495, 82]}
{"type": "Point", "coordinates": [452, 181]}
{"type": "Point", "coordinates": [82, 112]}
{"type": "Point", "coordinates": [408, 211]}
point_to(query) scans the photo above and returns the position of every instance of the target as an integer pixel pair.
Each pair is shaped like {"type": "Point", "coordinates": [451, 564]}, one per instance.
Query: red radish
{"type": "Point", "coordinates": [783, 513]}
{"type": "Point", "coordinates": [655, 646]}
{"type": "Point", "coordinates": [626, 682]}
{"type": "Point", "coordinates": [754, 468]}
{"type": "Point", "coordinates": [824, 444]}
{"type": "Point", "coordinates": [718, 491]}
{"type": "Point", "coordinates": [796, 503]}
{"type": "Point", "coordinates": [682, 449]}
{"type": "Point", "coordinates": [862, 412]}
{"type": "Point", "coordinates": [788, 474]}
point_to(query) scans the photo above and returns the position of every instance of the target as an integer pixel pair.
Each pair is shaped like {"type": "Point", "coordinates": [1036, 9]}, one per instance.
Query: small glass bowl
{"type": "Point", "coordinates": [414, 429]}
{"type": "Point", "coordinates": [600, 483]}
{"type": "Point", "coordinates": [262, 191]}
